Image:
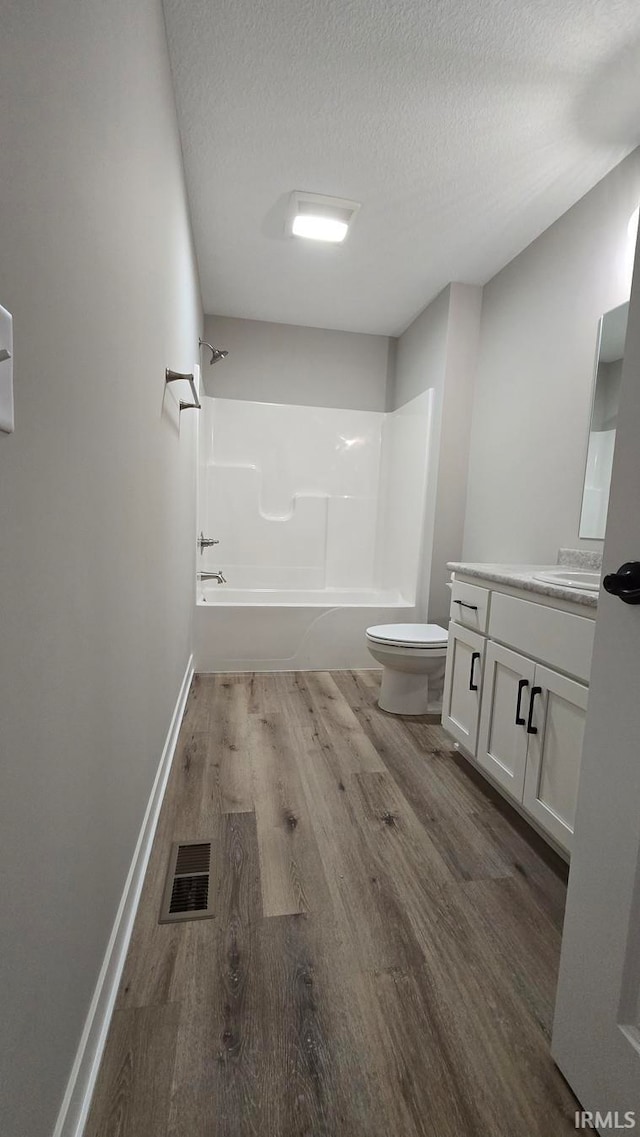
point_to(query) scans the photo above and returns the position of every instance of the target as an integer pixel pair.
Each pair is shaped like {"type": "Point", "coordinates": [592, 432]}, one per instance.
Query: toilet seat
{"type": "Point", "coordinates": [423, 636]}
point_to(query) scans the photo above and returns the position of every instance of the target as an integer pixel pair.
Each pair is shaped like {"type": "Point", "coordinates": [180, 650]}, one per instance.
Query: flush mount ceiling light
{"type": "Point", "coordinates": [320, 218]}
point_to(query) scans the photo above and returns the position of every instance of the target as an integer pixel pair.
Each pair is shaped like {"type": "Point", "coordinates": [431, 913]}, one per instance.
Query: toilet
{"type": "Point", "coordinates": [413, 658]}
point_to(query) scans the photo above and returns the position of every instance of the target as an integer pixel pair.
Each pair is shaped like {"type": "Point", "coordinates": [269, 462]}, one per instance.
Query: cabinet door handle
{"type": "Point", "coordinates": [520, 721]}
{"type": "Point", "coordinates": [472, 685]}
{"type": "Point", "coordinates": [472, 607]}
{"type": "Point", "coordinates": [531, 729]}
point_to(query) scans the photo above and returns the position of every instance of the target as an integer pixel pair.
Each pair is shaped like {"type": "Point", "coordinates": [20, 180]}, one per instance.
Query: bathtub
{"type": "Point", "coordinates": [269, 629]}
{"type": "Point", "coordinates": [212, 593]}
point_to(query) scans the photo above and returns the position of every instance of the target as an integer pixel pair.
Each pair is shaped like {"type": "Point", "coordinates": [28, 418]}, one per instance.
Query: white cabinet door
{"type": "Point", "coordinates": [463, 685]}
{"type": "Point", "coordinates": [502, 741]}
{"type": "Point", "coordinates": [556, 729]}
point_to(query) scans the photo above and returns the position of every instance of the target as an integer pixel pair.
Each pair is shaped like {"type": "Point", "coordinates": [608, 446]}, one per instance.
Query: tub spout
{"type": "Point", "coordinates": [221, 579]}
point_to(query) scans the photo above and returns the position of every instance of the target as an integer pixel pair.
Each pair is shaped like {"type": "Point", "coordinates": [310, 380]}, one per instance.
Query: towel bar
{"type": "Point", "coordinates": [172, 376]}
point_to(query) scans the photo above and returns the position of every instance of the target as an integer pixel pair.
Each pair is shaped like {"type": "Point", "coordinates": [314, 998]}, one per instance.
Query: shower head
{"type": "Point", "coordinates": [216, 353]}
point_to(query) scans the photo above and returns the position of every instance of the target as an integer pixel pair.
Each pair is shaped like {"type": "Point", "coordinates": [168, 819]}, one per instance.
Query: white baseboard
{"type": "Point", "coordinates": [77, 1098]}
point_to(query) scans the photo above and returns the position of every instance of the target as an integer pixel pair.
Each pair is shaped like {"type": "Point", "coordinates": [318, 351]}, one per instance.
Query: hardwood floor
{"type": "Point", "coordinates": [383, 958]}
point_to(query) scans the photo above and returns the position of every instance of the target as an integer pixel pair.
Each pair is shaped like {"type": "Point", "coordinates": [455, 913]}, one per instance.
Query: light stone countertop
{"type": "Point", "coordinates": [520, 576]}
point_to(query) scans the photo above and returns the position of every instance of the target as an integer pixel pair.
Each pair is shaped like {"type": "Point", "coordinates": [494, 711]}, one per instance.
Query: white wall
{"type": "Point", "coordinates": [438, 351]}
{"type": "Point", "coordinates": [535, 375]}
{"type": "Point", "coordinates": [282, 363]}
{"type": "Point", "coordinates": [96, 502]}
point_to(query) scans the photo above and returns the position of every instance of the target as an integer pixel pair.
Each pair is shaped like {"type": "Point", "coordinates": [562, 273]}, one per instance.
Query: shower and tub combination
{"type": "Point", "coordinates": [311, 528]}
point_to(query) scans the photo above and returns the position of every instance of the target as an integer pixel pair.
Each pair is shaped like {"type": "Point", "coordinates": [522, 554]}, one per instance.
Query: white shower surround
{"type": "Point", "coordinates": [319, 514]}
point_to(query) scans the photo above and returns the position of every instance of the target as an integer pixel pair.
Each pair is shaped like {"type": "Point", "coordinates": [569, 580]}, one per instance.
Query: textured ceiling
{"type": "Point", "coordinates": [465, 128]}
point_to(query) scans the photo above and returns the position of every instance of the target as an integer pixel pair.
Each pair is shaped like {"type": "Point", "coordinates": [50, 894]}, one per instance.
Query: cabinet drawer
{"type": "Point", "coordinates": [559, 638]}
{"type": "Point", "coordinates": [470, 605]}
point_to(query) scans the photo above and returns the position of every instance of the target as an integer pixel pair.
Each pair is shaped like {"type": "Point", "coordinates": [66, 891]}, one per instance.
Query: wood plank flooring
{"type": "Point", "coordinates": [383, 957]}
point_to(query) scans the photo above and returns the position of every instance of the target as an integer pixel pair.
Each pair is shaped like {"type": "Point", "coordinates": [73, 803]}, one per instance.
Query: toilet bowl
{"type": "Point", "coordinates": [413, 659]}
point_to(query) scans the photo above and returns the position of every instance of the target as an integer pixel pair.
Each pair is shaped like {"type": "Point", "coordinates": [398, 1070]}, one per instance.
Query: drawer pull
{"type": "Point", "coordinates": [473, 607]}
{"type": "Point", "coordinates": [520, 721]}
{"type": "Point", "coordinates": [530, 728]}
{"type": "Point", "coordinates": [472, 685]}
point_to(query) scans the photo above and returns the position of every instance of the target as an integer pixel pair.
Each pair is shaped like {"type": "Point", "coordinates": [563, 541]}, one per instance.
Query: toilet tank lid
{"type": "Point", "coordinates": [418, 634]}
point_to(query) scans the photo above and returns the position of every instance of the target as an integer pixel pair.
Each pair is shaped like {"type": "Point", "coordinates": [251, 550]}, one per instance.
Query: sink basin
{"type": "Point", "coordinates": [583, 579]}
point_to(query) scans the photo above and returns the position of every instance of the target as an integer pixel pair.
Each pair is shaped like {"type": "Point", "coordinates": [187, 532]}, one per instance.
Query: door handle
{"type": "Point", "coordinates": [531, 729]}
{"type": "Point", "coordinates": [520, 721]}
{"type": "Point", "coordinates": [473, 686]}
{"type": "Point", "coordinates": [625, 583]}
{"type": "Point", "coordinates": [473, 607]}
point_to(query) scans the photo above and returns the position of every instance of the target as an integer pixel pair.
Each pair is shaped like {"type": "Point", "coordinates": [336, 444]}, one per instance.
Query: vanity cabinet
{"type": "Point", "coordinates": [520, 719]}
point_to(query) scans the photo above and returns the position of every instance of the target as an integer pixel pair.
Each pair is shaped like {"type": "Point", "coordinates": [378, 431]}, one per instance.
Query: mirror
{"type": "Point", "coordinates": [612, 332]}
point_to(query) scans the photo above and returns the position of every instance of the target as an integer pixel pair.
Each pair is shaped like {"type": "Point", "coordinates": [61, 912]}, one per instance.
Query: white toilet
{"type": "Point", "coordinates": [413, 657]}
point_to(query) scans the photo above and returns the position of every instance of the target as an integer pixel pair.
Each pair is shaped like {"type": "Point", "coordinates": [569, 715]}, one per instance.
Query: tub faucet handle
{"type": "Point", "coordinates": [206, 542]}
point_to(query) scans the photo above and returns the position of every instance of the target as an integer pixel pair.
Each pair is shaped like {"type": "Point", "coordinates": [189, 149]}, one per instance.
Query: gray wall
{"type": "Point", "coordinates": [96, 502]}
{"type": "Point", "coordinates": [463, 334]}
{"type": "Point", "coordinates": [421, 352]}
{"type": "Point", "coordinates": [439, 351]}
{"type": "Point", "coordinates": [535, 375]}
{"type": "Point", "coordinates": [283, 363]}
